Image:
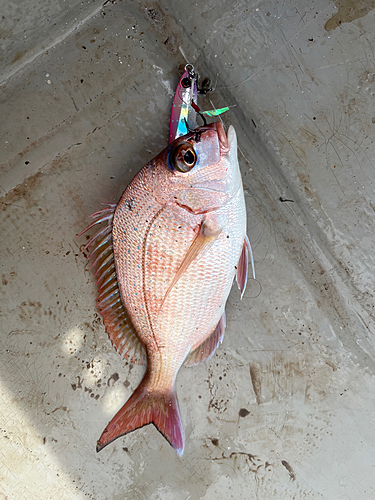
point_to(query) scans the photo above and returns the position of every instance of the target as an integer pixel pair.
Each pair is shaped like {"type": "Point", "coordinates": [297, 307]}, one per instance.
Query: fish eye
{"type": "Point", "coordinates": [183, 158]}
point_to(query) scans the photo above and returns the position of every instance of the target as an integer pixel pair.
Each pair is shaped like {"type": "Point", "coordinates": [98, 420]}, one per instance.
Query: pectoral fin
{"type": "Point", "coordinates": [204, 239]}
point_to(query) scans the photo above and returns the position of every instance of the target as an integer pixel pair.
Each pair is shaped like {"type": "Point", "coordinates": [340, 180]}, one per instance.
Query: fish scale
{"type": "Point", "coordinates": [166, 245]}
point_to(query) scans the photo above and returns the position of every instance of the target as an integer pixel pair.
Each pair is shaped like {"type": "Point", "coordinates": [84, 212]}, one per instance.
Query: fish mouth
{"type": "Point", "coordinates": [228, 148]}
{"type": "Point", "coordinates": [223, 139]}
{"type": "Point", "coordinates": [222, 136]}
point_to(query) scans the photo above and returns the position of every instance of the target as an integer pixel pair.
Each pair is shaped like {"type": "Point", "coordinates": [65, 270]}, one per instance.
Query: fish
{"type": "Point", "coordinates": [165, 262]}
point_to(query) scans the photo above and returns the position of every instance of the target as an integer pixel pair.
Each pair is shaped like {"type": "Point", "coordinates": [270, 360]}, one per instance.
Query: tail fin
{"type": "Point", "coordinates": [143, 408]}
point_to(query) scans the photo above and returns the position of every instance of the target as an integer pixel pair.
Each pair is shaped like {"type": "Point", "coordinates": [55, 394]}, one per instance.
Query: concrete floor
{"type": "Point", "coordinates": [285, 408]}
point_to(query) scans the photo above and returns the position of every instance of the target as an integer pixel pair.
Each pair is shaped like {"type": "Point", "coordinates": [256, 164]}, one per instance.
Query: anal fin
{"type": "Point", "coordinates": [207, 348]}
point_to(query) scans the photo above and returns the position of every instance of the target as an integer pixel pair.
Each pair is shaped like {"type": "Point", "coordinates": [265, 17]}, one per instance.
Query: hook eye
{"type": "Point", "coordinates": [186, 82]}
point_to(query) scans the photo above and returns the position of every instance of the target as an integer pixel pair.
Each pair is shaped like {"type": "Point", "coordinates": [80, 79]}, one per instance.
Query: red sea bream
{"type": "Point", "coordinates": [165, 262]}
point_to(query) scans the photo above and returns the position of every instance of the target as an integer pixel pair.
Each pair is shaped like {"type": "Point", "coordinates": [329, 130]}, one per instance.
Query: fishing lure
{"type": "Point", "coordinates": [185, 99]}
{"type": "Point", "coordinates": [185, 105]}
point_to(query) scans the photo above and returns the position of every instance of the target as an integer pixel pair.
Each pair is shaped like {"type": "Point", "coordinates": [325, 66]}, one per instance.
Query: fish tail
{"type": "Point", "coordinates": [145, 407]}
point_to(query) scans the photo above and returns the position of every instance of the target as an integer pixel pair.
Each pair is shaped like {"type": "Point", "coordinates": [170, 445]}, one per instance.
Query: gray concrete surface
{"type": "Point", "coordinates": [285, 409]}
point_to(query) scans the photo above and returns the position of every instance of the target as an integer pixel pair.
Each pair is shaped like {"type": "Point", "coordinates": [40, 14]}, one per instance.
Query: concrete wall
{"type": "Point", "coordinates": [285, 408]}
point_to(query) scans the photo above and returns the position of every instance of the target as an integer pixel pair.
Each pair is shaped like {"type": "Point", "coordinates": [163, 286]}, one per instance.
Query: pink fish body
{"type": "Point", "coordinates": [171, 249]}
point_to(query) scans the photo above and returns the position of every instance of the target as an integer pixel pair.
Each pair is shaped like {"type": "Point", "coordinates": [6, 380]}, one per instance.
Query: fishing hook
{"type": "Point", "coordinates": [192, 131]}
{"type": "Point", "coordinates": [203, 118]}
{"type": "Point", "coordinates": [198, 111]}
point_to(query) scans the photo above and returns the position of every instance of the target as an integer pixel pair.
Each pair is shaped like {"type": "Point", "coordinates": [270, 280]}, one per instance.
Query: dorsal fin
{"type": "Point", "coordinates": [116, 319]}
{"type": "Point", "coordinates": [207, 348]}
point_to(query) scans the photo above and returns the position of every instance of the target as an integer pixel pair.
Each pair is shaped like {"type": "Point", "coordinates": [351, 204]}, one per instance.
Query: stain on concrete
{"type": "Point", "coordinates": [156, 17]}
{"type": "Point", "coordinates": [19, 55]}
{"type": "Point", "coordinates": [255, 374]}
{"type": "Point", "coordinates": [243, 412]}
{"type": "Point", "coordinates": [164, 25]}
{"type": "Point", "coordinates": [22, 191]}
{"type": "Point", "coordinates": [289, 469]}
{"type": "Point", "coordinates": [114, 378]}
{"type": "Point", "coordinates": [348, 11]}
